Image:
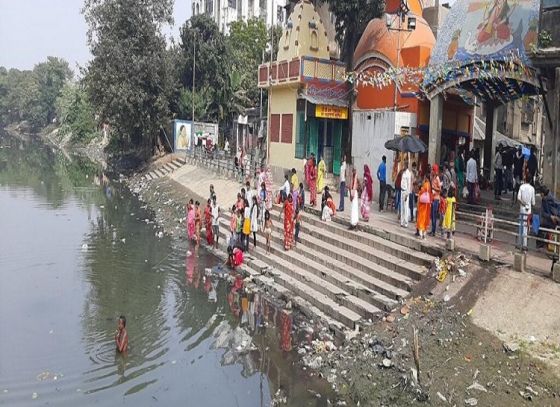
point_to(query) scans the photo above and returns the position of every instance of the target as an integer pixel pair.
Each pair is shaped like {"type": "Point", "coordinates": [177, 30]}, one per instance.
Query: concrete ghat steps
{"type": "Point", "coordinates": [287, 263]}
{"type": "Point", "coordinates": [329, 274]}
{"type": "Point", "coordinates": [306, 285]}
{"type": "Point", "coordinates": [369, 239]}
{"type": "Point", "coordinates": [390, 233]}
{"type": "Point", "coordinates": [279, 291]}
{"type": "Point", "coordinates": [361, 256]}
{"type": "Point", "coordinates": [253, 267]}
{"type": "Point", "coordinates": [361, 281]}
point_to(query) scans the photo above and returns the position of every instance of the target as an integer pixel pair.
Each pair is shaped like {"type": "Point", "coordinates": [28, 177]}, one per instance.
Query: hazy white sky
{"type": "Point", "coordinates": [31, 30]}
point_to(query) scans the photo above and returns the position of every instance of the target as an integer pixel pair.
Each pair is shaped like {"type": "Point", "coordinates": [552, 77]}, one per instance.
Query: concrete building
{"type": "Point", "coordinates": [308, 95]}
{"type": "Point", "coordinates": [475, 48]}
{"type": "Point", "coordinates": [225, 12]}
{"type": "Point", "coordinates": [546, 57]}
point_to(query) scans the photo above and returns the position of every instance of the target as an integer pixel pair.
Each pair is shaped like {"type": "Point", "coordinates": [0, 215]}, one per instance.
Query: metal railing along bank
{"type": "Point", "coordinates": [516, 232]}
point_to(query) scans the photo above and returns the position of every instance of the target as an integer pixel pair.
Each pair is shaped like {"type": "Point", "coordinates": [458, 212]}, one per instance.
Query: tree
{"type": "Point", "coordinates": [75, 113]}
{"type": "Point", "coordinates": [128, 78]}
{"type": "Point", "coordinates": [51, 77]}
{"type": "Point", "coordinates": [352, 18]}
{"type": "Point", "coordinates": [248, 41]}
{"type": "Point", "coordinates": [200, 36]}
{"type": "Point", "coordinates": [30, 95]}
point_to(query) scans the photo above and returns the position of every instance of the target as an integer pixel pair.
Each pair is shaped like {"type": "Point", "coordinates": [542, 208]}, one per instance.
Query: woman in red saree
{"type": "Point", "coordinates": [312, 182]}
{"type": "Point", "coordinates": [208, 223]}
{"type": "Point", "coordinates": [197, 221]}
{"type": "Point", "coordinates": [288, 223]}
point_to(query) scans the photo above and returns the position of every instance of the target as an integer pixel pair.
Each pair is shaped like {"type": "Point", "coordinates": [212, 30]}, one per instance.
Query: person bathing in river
{"type": "Point", "coordinates": [197, 221]}
{"type": "Point", "coordinates": [235, 257]}
{"type": "Point", "coordinates": [191, 229]}
{"type": "Point", "coordinates": [121, 336]}
{"type": "Point", "coordinates": [208, 223]}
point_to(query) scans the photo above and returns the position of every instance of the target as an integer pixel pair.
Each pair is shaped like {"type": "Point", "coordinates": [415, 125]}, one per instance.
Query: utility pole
{"type": "Point", "coordinates": [193, 87]}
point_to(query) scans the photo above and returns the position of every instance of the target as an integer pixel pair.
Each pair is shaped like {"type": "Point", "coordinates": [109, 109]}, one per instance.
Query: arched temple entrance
{"type": "Point", "coordinates": [481, 54]}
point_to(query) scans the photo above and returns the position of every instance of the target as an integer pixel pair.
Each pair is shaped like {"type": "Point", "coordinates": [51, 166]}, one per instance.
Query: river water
{"type": "Point", "coordinates": [75, 253]}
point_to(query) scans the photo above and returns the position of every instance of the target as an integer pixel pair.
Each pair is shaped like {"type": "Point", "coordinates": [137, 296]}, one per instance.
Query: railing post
{"type": "Point", "coordinates": [485, 251]}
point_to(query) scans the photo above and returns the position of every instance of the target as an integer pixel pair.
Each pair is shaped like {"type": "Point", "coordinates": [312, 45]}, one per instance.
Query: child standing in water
{"type": "Point", "coordinates": [121, 336]}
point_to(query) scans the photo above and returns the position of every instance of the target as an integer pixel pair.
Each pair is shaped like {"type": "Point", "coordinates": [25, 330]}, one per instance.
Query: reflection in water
{"type": "Point", "coordinates": [77, 252]}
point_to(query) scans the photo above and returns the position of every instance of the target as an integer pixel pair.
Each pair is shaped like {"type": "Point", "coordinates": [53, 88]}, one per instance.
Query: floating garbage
{"type": "Point", "coordinates": [34, 396]}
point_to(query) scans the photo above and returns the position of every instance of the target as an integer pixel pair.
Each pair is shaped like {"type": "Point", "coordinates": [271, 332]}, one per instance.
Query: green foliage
{"type": "Point", "coordinates": [352, 18]}
{"type": "Point", "coordinates": [75, 114]}
{"type": "Point", "coordinates": [249, 44]}
{"type": "Point", "coordinates": [201, 39]}
{"type": "Point", "coordinates": [31, 95]}
{"type": "Point", "coordinates": [129, 78]}
{"type": "Point", "coordinates": [51, 77]}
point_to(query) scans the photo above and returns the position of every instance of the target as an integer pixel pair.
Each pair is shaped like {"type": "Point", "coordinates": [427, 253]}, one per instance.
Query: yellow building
{"type": "Point", "coordinates": [308, 95]}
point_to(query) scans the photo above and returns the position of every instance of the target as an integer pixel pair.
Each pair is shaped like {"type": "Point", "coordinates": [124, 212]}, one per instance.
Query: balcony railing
{"type": "Point", "coordinates": [300, 70]}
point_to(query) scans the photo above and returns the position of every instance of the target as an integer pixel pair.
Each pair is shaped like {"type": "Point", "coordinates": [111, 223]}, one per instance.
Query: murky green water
{"type": "Point", "coordinates": [75, 253]}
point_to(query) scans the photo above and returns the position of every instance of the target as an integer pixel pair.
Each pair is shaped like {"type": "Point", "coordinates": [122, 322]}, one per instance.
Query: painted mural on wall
{"type": "Point", "coordinates": [487, 29]}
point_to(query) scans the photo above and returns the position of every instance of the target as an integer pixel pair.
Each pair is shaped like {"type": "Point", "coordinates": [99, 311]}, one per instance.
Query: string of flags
{"type": "Point", "coordinates": [500, 79]}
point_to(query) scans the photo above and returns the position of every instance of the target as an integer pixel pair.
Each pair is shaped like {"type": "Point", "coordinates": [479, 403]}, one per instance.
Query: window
{"type": "Point", "coordinates": [314, 40]}
{"type": "Point", "coordinates": [287, 131]}
{"type": "Point", "coordinates": [209, 6]}
{"type": "Point", "coordinates": [279, 14]}
{"type": "Point", "coordinates": [232, 3]}
{"type": "Point", "coordinates": [274, 128]}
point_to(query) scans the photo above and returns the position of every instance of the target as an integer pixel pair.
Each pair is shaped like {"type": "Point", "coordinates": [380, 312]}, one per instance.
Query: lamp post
{"type": "Point", "coordinates": [402, 15]}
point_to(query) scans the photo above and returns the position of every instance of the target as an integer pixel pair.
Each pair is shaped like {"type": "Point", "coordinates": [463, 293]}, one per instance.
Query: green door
{"type": "Point", "coordinates": [337, 146]}
{"type": "Point", "coordinates": [313, 140]}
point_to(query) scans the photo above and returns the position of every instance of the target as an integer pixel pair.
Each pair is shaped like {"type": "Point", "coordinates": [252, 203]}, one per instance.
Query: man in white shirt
{"type": "Point", "coordinates": [406, 189]}
{"type": "Point", "coordinates": [286, 188]}
{"type": "Point", "coordinates": [342, 184]}
{"type": "Point", "coordinates": [499, 175]}
{"type": "Point", "coordinates": [215, 219]}
{"type": "Point", "coordinates": [526, 199]}
{"type": "Point", "coordinates": [472, 177]}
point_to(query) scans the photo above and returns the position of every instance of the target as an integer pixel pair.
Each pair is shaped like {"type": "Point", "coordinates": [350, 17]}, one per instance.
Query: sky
{"type": "Point", "coordinates": [32, 30]}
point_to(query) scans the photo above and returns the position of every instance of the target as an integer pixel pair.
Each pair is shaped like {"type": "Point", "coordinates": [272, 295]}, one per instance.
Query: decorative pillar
{"type": "Point", "coordinates": [489, 141]}
{"type": "Point", "coordinates": [555, 187]}
{"type": "Point", "coordinates": [436, 124]}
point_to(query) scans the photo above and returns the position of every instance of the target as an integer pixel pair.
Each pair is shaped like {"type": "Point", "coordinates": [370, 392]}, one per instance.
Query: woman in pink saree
{"type": "Point", "coordinates": [190, 220]}
{"type": "Point", "coordinates": [367, 194]}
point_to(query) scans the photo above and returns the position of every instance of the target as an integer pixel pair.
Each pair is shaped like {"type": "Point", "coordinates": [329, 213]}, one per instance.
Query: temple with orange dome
{"type": "Point", "coordinates": [401, 39]}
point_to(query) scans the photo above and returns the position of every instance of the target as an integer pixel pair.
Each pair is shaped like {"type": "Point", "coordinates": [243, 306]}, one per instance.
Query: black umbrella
{"type": "Point", "coordinates": [406, 144]}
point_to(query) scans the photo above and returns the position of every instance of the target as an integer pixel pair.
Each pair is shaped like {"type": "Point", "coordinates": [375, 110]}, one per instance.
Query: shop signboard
{"type": "Point", "coordinates": [331, 112]}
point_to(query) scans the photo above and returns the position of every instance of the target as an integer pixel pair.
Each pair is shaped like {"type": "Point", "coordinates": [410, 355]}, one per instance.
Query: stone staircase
{"type": "Point", "coordinates": [342, 276]}
{"type": "Point", "coordinates": [165, 169]}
